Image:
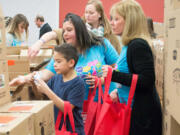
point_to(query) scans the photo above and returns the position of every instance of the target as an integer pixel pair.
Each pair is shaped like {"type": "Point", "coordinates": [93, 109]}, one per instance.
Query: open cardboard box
{"type": "Point", "coordinates": [42, 113]}
{"type": "Point", "coordinates": [15, 124]}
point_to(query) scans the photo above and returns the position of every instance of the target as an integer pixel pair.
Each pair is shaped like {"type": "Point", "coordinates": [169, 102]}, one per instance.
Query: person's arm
{"type": "Point", "coordinates": [27, 79]}
{"type": "Point", "coordinates": [43, 88]}
{"type": "Point", "coordinates": [141, 63]}
{"type": "Point", "coordinates": [34, 49]}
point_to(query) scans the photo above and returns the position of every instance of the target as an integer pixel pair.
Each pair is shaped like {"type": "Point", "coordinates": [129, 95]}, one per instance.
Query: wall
{"type": "Point", "coordinates": [152, 8]}
{"type": "Point", "coordinates": [30, 8]}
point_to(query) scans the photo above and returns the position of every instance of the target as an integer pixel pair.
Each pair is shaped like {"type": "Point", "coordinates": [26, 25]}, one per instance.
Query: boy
{"type": "Point", "coordinates": [65, 86]}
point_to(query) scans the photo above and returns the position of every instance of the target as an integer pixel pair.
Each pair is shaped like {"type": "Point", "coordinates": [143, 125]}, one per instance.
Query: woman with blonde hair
{"type": "Point", "coordinates": [129, 21]}
{"type": "Point", "coordinates": [97, 22]}
{"type": "Point", "coordinates": [16, 29]}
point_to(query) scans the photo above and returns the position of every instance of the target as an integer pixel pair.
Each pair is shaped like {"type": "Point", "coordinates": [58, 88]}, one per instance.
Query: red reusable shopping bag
{"type": "Point", "coordinates": [67, 111]}
{"type": "Point", "coordinates": [93, 110]}
{"type": "Point", "coordinates": [114, 118]}
{"type": "Point", "coordinates": [91, 94]}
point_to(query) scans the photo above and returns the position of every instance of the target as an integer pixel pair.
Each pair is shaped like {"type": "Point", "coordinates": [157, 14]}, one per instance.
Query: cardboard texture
{"type": "Point", "coordinates": [159, 29]}
{"type": "Point", "coordinates": [15, 124]}
{"type": "Point", "coordinates": [2, 29]}
{"type": "Point", "coordinates": [42, 113]}
{"type": "Point", "coordinates": [15, 50]}
{"type": "Point", "coordinates": [19, 66]}
{"type": "Point", "coordinates": [13, 75]}
{"type": "Point", "coordinates": [2, 52]}
{"type": "Point", "coordinates": [3, 66]}
{"type": "Point", "coordinates": [166, 123]}
{"type": "Point", "coordinates": [20, 95]}
{"type": "Point", "coordinates": [172, 64]}
{"type": "Point", "coordinates": [4, 88]}
{"type": "Point", "coordinates": [158, 51]}
{"type": "Point", "coordinates": [171, 5]}
{"type": "Point", "coordinates": [43, 54]}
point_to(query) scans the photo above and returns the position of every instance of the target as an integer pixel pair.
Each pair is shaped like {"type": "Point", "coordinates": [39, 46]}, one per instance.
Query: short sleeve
{"type": "Point", "coordinates": [50, 66]}
{"type": "Point", "coordinates": [111, 54]}
{"type": "Point", "coordinates": [76, 95]}
{"type": "Point", "coordinates": [50, 83]}
{"type": "Point", "coordinates": [59, 35]}
{"type": "Point", "coordinates": [9, 39]}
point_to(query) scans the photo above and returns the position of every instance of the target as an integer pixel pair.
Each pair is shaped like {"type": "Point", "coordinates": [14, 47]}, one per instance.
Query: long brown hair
{"type": "Point", "coordinates": [85, 39]}
{"type": "Point", "coordinates": [13, 29]}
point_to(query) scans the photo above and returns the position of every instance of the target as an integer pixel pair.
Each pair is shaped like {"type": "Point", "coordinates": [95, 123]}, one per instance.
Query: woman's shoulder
{"type": "Point", "coordinates": [138, 42]}
{"type": "Point", "coordinates": [9, 35]}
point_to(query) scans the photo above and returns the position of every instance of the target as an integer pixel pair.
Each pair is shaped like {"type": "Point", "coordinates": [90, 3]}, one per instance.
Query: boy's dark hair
{"type": "Point", "coordinates": [68, 51]}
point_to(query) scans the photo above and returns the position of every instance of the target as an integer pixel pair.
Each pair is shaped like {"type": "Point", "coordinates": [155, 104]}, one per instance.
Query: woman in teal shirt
{"type": "Point", "coordinates": [93, 53]}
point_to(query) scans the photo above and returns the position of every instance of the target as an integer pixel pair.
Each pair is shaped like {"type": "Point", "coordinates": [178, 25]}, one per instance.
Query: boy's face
{"type": "Point", "coordinates": [61, 65]}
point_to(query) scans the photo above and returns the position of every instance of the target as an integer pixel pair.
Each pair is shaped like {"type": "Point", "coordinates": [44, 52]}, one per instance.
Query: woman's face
{"type": "Point", "coordinates": [69, 33]}
{"type": "Point", "coordinates": [117, 23]}
{"type": "Point", "coordinates": [91, 15]}
{"type": "Point", "coordinates": [21, 27]}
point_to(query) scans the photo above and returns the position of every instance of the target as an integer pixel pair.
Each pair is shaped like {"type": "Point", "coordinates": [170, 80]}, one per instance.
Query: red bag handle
{"type": "Point", "coordinates": [132, 89]}
{"type": "Point", "coordinates": [107, 81]}
{"type": "Point", "coordinates": [58, 120]}
{"type": "Point", "coordinates": [92, 93]}
{"type": "Point", "coordinates": [70, 114]}
{"type": "Point", "coordinates": [67, 110]}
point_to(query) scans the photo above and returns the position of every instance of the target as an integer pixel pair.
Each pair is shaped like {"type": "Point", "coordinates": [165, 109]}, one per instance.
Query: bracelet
{"type": "Point", "coordinates": [42, 40]}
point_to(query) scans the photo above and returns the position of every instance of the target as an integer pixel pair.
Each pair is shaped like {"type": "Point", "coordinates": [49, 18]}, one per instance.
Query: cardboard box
{"type": "Point", "coordinates": [17, 65]}
{"type": "Point", "coordinates": [42, 113]}
{"type": "Point", "coordinates": [158, 51]}
{"type": "Point", "coordinates": [170, 125]}
{"type": "Point", "coordinates": [3, 66]}
{"type": "Point", "coordinates": [15, 50]}
{"type": "Point", "coordinates": [2, 30]}
{"type": "Point", "coordinates": [21, 94]}
{"type": "Point", "coordinates": [172, 64]}
{"type": "Point", "coordinates": [13, 75]}
{"type": "Point", "coordinates": [166, 123]}
{"type": "Point", "coordinates": [2, 52]}
{"type": "Point", "coordinates": [4, 88]}
{"type": "Point", "coordinates": [43, 55]}
{"type": "Point", "coordinates": [159, 29]}
{"type": "Point", "coordinates": [171, 5]}
{"type": "Point", "coordinates": [15, 124]}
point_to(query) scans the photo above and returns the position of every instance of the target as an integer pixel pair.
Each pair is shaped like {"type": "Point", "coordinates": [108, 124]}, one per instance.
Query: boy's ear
{"type": "Point", "coordinates": [71, 63]}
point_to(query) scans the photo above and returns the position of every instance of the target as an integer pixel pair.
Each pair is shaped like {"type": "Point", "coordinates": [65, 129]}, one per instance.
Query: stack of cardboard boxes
{"type": "Point", "coordinates": [21, 117]}
{"type": "Point", "coordinates": [172, 68]}
{"type": "Point", "coordinates": [10, 123]}
{"type": "Point", "coordinates": [17, 66]}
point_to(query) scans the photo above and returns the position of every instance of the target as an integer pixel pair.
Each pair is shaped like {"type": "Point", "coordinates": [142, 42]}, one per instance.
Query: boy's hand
{"type": "Point", "coordinates": [41, 86]}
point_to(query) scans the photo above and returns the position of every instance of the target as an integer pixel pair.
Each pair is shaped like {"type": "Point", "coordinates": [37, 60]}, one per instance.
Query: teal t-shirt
{"type": "Point", "coordinates": [92, 61]}
{"type": "Point", "coordinates": [11, 40]}
{"type": "Point", "coordinates": [122, 66]}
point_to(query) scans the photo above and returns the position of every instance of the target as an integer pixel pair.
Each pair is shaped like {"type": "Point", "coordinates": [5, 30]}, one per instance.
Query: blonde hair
{"type": "Point", "coordinates": [104, 21]}
{"type": "Point", "coordinates": [135, 20]}
{"type": "Point", "coordinates": [13, 28]}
